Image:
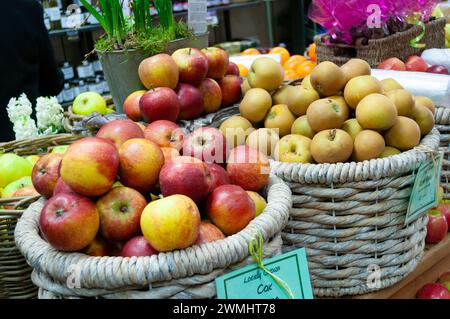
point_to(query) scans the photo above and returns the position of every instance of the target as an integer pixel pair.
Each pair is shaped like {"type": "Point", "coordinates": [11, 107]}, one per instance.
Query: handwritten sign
{"type": "Point", "coordinates": [425, 190]}
{"type": "Point", "coordinates": [251, 282]}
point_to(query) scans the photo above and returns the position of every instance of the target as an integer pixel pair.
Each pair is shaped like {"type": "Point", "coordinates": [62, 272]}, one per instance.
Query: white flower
{"type": "Point", "coordinates": [19, 108]}
{"type": "Point", "coordinates": [49, 113]}
{"type": "Point", "coordinates": [25, 129]}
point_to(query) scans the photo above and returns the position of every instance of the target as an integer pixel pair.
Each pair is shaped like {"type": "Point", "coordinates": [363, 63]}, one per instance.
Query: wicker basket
{"type": "Point", "coordinates": [187, 273]}
{"type": "Point", "coordinates": [350, 217]}
{"type": "Point", "coordinates": [442, 118]}
{"type": "Point", "coordinates": [376, 51]}
{"type": "Point", "coordinates": [15, 281]}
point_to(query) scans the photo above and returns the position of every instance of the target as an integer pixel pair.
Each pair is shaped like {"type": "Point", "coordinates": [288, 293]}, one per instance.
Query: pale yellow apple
{"type": "Point", "coordinates": [352, 127]}
{"type": "Point", "coordinates": [264, 140]}
{"type": "Point", "coordinates": [12, 187]}
{"type": "Point", "coordinates": [236, 129]}
{"type": "Point", "coordinates": [281, 95]}
{"type": "Point", "coordinates": [293, 149]}
{"type": "Point", "coordinates": [280, 119]}
{"type": "Point", "coordinates": [255, 105]}
{"type": "Point", "coordinates": [301, 126]}
{"type": "Point", "coordinates": [266, 74]}
{"type": "Point", "coordinates": [260, 202]}
{"type": "Point", "coordinates": [299, 98]}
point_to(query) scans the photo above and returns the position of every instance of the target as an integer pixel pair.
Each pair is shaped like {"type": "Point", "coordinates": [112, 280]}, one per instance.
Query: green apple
{"type": "Point", "coordinates": [32, 159]}
{"type": "Point", "coordinates": [12, 187]}
{"type": "Point", "coordinates": [13, 167]}
{"type": "Point", "coordinates": [109, 110]}
{"type": "Point", "coordinates": [260, 202]}
{"type": "Point", "coordinates": [293, 148]}
{"type": "Point", "coordinates": [60, 149]}
{"type": "Point", "coordinates": [88, 102]}
{"type": "Point", "coordinates": [117, 184]}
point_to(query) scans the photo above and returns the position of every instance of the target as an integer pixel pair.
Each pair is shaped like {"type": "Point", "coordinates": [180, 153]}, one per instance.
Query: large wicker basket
{"type": "Point", "coordinates": [350, 217]}
{"type": "Point", "coordinates": [15, 281]}
{"type": "Point", "coordinates": [376, 51]}
{"type": "Point", "coordinates": [442, 118]}
{"type": "Point", "coordinates": [187, 273]}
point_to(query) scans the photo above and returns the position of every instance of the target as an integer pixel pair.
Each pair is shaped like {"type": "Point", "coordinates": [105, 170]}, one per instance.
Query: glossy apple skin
{"type": "Point", "coordinates": [131, 105]}
{"type": "Point", "coordinates": [45, 174]}
{"type": "Point", "coordinates": [230, 86]}
{"type": "Point", "coordinates": [233, 69]}
{"type": "Point", "coordinates": [169, 153]}
{"type": "Point", "coordinates": [160, 104]}
{"type": "Point", "coordinates": [90, 166]}
{"type": "Point", "coordinates": [207, 144]}
{"type": "Point", "coordinates": [120, 131]}
{"type": "Point", "coordinates": [416, 64]}
{"type": "Point", "coordinates": [208, 233]}
{"type": "Point", "coordinates": [212, 95]}
{"type": "Point", "coordinates": [219, 176]}
{"type": "Point", "coordinates": [159, 71]}
{"type": "Point", "coordinates": [433, 291]}
{"type": "Point", "coordinates": [444, 279]}
{"type": "Point", "coordinates": [392, 64]}
{"type": "Point", "coordinates": [191, 101]}
{"type": "Point", "coordinates": [444, 208]}
{"type": "Point", "coordinates": [436, 228]}
{"type": "Point", "coordinates": [248, 168]}
{"type": "Point", "coordinates": [192, 65]}
{"type": "Point", "coordinates": [120, 213]}
{"type": "Point", "coordinates": [187, 176]}
{"type": "Point", "coordinates": [217, 62]}
{"type": "Point", "coordinates": [138, 247]}
{"type": "Point", "coordinates": [230, 208]}
{"type": "Point", "coordinates": [62, 188]}
{"type": "Point", "coordinates": [171, 223]}
{"type": "Point", "coordinates": [69, 222]}
{"type": "Point", "coordinates": [140, 163]}
{"type": "Point", "coordinates": [438, 69]}
{"type": "Point", "coordinates": [165, 134]}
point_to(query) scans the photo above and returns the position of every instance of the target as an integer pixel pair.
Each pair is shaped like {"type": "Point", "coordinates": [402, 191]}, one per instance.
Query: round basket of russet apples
{"type": "Point", "coordinates": [124, 200]}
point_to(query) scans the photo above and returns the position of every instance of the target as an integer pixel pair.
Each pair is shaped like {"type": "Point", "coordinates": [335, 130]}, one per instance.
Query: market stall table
{"type": "Point", "coordinates": [435, 262]}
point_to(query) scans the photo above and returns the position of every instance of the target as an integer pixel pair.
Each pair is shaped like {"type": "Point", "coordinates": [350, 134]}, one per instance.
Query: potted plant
{"type": "Point", "coordinates": [129, 40]}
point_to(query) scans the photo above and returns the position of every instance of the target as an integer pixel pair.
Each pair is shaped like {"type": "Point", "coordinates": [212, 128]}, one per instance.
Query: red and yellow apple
{"type": "Point", "coordinates": [165, 134]}
{"type": "Point", "coordinates": [233, 69]}
{"type": "Point", "coordinates": [436, 228]}
{"type": "Point", "coordinates": [46, 173]}
{"type": "Point", "coordinates": [260, 202]}
{"type": "Point", "coordinates": [171, 223]}
{"type": "Point", "coordinates": [192, 65]}
{"type": "Point", "coordinates": [191, 101]}
{"type": "Point", "coordinates": [208, 233]}
{"type": "Point", "coordinates": [131, 105]}
{"type": "Point", "coordinates": [97, 248]}
{"type": "Point", "coordinates": [207, 144]}
{"type": "Point", "coordinates": [120, 131]}
{"type": "Point", "coordinates": [219, 176]}
{"type": "Point", "coordinates": [230, 86]}
{"type": "Point", "coordinates": [62, 188]}
{"type": "Point", "coordinates": [161, 103]}
{"type": "Point", "coordinates": [212, 95]}
{"type": "Point", "coordinates": [90, 165]}
{"type": "Point", "coordinates": [217, 62]}
{"type": "Point", "coordinates": [169, 153]}
{"type": "Point", "coordinates": [159, 71]}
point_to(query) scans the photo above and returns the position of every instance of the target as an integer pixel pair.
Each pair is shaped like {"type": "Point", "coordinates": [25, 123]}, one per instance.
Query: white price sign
{"type": "Point", "coordinates": [197, 14]}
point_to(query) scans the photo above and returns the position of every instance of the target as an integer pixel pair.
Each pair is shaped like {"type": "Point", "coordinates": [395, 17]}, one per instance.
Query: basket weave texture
{"type": "Point", "coordinates": [351, 219]}
{"type": "Point", "coordinates": [187, 273]}
{"type": "Point", "coordinates": [442, 119]}
{"type": "Point", "coordinates": [15, 280]}
{"type": "Point", "coordinates": [378, 50]}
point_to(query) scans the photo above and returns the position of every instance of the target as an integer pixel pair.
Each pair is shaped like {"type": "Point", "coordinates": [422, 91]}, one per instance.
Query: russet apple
{"type": "Point", "coordinates": [217, 62]}
{"type": "Point", "coordinates": [255, 104]}
{"type": "Point", "coordinates": [302, 127]}
{"type": "Point", "coordinates": [207, 144]}
{"type": "Point", "coordinates": [219, 176]}
{"type": "Point", "coordinates": [236, 130]}
{"type": "Point", "coordinates": [120, 213]}
{"type": "Point", "coordinates": [266, 74]}
{"type": "Point", "coordinates": [331, 146]}
{"type": "Point", "coordinates": [293, 149]}
{"type": "Point", "coordinates": [230, 86]}
{"type": "Point", "coordinates": [120, 131]}
{"type": "Point", "coordinates": [280, 118]}
{"type": "Point", "coordinates": [208, 233]}
{"type": "Point", "coordinates": [232, 69]}
{"type": "Point", "coordinates": [192, 65]}
{"type": "Point", "coordinates": [169, 153]}
{"type": "Point", "coordinates": [230, 208]}
{"type": "Point", "coordinates": [46, 173]}
{"type": "Point", "coordinates": [187, 176]}
{"type": "Point", "coordinates": [191, 101]}
{"type": "Point", "coordinates": [131, 105]}
{"type": "Point", "coordinates": [260, 202]}
{"type": "Point", "coordinates": [90, 166]}
{"type": "Point", "coordinates": [161, 103]}
{"type": "Point", "coordinates": [165, 134]}
{"type": "Point", "coordinates": [436, 228]}
{"type": "Point", "coordinates": [159, 71]}
{"type": "Point", "coordinates": [69, 222]}
{"type": "Point", "coordinates": [171, 223]}
{"type": "Point", "coordinates": [248, 168]}
{"type": "Point", "coordinates": [140, 163]}
{"type": "Point", "coordinates": [263, 140]}
{"type": "Point", "coordinates": [138, 247]}
{"type": "Point", "coordinates": [61, 187]}
{"type": "Point", "coordinates": [212, 95]}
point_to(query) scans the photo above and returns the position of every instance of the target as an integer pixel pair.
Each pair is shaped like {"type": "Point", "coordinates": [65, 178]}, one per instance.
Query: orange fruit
{"type": "Point", "coordinates": [293, 62]}
{"type": "Point", "coordinates": [284, 54]}
{"type": "Point", "coordinates": [250, 51]}
{"type": "Point", "coordinates": [312, 52]}
{"type": "Point", "coordinates": [305, 68]}
{"type": "Point", "coordinates": [290, 74]}
{"type": "Point", "coordinates": [243, 71]}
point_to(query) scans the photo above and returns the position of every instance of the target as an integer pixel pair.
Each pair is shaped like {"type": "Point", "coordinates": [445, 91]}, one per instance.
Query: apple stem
{"type": "Point", "coordinates": [59, 212]}
{"type": "Point", "coordinates": [332, 134]}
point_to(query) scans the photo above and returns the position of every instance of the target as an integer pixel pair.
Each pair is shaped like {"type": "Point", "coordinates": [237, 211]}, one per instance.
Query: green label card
{"type": "Point", "coordinates": [251, 282]}
{"type": "Point", "coordinates": [425, 190]}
